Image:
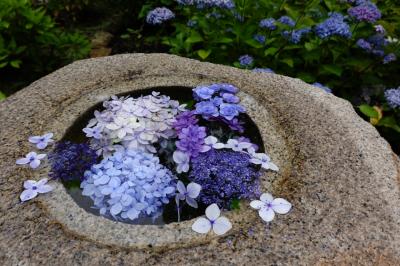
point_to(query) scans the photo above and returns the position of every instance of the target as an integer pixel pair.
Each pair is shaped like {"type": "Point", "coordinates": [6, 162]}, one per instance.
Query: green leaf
{"type": "Point", "coordinates": [309, 46]}
{"type": "Point", "coordinates": [389, 121]}
{"type": "Point", "coordinates": [368, 111]}
{"type": "Point", "coordinates": [194, 38]}
{"type": "Point", "coordinates": [203, 53]}
{"type": "Point", "coordinates": [224, 40]}
{"type": "Point", "coordinates": [306, 77]}
{"type": "Point", "coordinates": [332, 69]}
{"type": "Point", "coordinates": [235, 204]}
{"type": "Point", "coordinates": [254, 43]}
{"type": "Point", "coordinates": [288, 61]}
{"type": "Point", "coordinates": [270, 51]}
{"type": "Point", "coordinates": [2, 96]}
{"type": "Point", "coordinates": [15, 63]}
{"type": "Point", "coordinates": [3, 64]}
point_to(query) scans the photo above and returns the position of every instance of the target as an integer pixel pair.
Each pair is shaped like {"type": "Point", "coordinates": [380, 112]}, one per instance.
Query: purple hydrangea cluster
{"type": "Point", "coordinates": [185, 119]}
{"type": "Point", "coordinates": [191, 140]}
{"type": "Point", "coordinates": [333, 26]}
{"type": "Point", "coordinates": [287, 21]}
{"type": "Point", "coordinates": [69, 161]}
{"type": "Point", "coordinates": [159, 15]}
{"type": "Point", "coordinates": [224, 175]}
{"type": "Point", "coordinates": [267, 23]}
{"type": "Point", "coordinates": [217, 101]}
{"type": "Point", "coordinates": [393, 97]}
{"type": "Point", "coordinates": [365, 11]}
{"type": "Point", "coordinates": [295, 36]}
{"type": "Point", "coordinates": [246, 60]}
{"type": "Point", "coordinates": [375, 45]}
{"type": "Point", "coordinates": [129, 184]}
{"type": "Point", "coordinates": [259, 38]}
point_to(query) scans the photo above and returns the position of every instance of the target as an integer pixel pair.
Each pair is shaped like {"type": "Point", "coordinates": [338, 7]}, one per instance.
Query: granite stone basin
{"type": "Point", "coordinates": [340, 175]}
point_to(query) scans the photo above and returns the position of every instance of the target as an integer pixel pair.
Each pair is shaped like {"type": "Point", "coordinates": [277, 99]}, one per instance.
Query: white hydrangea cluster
{"type": "Point", "coordinates": [133, 123]}
{"type": "Point", "coordinates": [129, 184]}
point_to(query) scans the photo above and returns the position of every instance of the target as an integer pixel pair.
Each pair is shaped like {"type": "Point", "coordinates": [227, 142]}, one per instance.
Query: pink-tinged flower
{"type": "Point", "coordinates": [32, 158]}
{"type": "Point", "coordinates": [267, 206]}
{"type": "Point", "coordinates": [219, 224]}
{"type": "Point", "coordinates": [33, 188]}
{"type": "Point", "coordinates": [41, 141]}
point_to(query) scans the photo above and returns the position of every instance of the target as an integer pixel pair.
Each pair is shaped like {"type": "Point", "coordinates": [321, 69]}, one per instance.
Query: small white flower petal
{"type": "Point", "coordinates": [40, 156]}
{"type": "Point", "coordinates": [181, 187]}
{"type": "Point", "coordinates": [201, 226]}
{"type": "Point", "coordinates": [28, 184]}
{"type": "Point", "coordinates": [213, 212]}
{"type": "Point", "coordinates": [257, 204]}
{"type": "Point", "coordinates": [210, 140]}
{"type": "Point", "coordinates": [267, 214]}
{"type": "Point", "coordinates": [266, 197]}
{"type": "Point", "coordinates": [221, 225]}
{"type": "Point", "coordinates": [218, 146]}
{"type": "Point", "coordinates": [193, 190]}
{"type": "Point", "coordinates": [255, 161]}
{"type": "Point", "coordinates": [273, 167]}
{"type": "Point", "coordinates": [205, 148]}
{"type": "Point", "coordinates": [42, 181]}
{"type": "Point", "coordinates": [44, 189]}
{"type": "Point", "coordinates": [34, 164]}
{"type": "Point", "coordinates": [281, 206]}
{"type": "Point", "coordinates": [191, 202]}
{"type": "Point", "coordinates": [41, 145]}
{"type": "Point", "coordinates": [28, 194]}
{"type": "Point", "coordinates": [34, 139]}
{"type": "Point", "coordinates": [23, 161]}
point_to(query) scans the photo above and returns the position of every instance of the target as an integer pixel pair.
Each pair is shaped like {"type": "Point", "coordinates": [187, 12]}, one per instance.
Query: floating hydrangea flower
{"type": "Point", "coordinates": [365, 11]}
{"type": "Point", "coordinates": [267, 23]}
{"type": "Point", "coordinates": [32, 158]}
{"type": "Point", "coordinates": [191, 140]}
{"type": "Point", "coordinates": [33, 188]}
{"type": "Point", "coordinates": [41, 141]}
{"type": "Point", "coordinates": [267, 206]}
{"type": "Point", "coordinates": [211, 142]}
{"type": "Point", "coordinates": [334, 25]}
{"type": "Point", "coordinates": [320, 86]}
{"type": "Point", "coordinates": [189, 193]}
{"type": "Point", "coordinates": [133, 123]}
{"type": "Point", "coordinates": [263, 160]}
{"type": "Point", "coordinates": [224, 175]}
{"type": "Point", "coordinates": [263, 70]}
{"type": "Point", "coordinates": [129, 185]}
{"type": "Point", "coordinates": [287, 21]}
{"type": "Point", "coordinates": [237, 145]}
{"type": "Point", "coordinates": [159, 15]}
{"type": "Point", "coordinates": [389, 58]}
{"type": "Point", "coordinates": [182, 160]}
{"type": "Point", "coordinates": [219, 224]}
{"type": "Point", "coordinates": [393, 97]}
{"type": "Point", "coordinates": [69, 161]}
{"type": "Point", "coordinates": [246, 60]}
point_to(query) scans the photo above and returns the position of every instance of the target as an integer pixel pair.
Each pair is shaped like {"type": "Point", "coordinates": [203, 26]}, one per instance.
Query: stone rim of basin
{"type": "Point", "coordinates": [341, 176]}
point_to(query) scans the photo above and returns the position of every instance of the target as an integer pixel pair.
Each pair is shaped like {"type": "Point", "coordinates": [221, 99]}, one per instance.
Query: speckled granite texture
{"type": "Point", "coordinates": [340, 175]}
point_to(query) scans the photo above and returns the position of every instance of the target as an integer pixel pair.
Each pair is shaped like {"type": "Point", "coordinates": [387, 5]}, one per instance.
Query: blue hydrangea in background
{"type": "Point", "coordinates": [365, 11]}
{"type": "Point", "coordinates": [295, 36]}
{"type": "Point", "coordinates": [267, 23]}
{"type": "Point", "coordinates": [287, 21]}
{"type": "Point", "coordinates": [259, 38]}
{"type": "Point", "coordinates": [389, 58]}
{"type": "Point", "coordinates": [393, 97]}
{"type": "Point", "coordinates": [224, 175]}
{"type": "Point", "coordinates": [159, 15]}
{"type": "Point", "coordinates": [129, 184]}
{"type": "Point", "coordinates": [333, 26]}
{"type": "Point", "coordinates": [246, 60]}
{"type": "Point", "coordinates": [69, 161]}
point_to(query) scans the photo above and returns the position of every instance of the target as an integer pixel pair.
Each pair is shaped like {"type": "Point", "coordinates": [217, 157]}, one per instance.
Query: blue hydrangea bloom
{"type": "Point", "coordinates": [226, 4]}
{"type": "Point", "coordinates": [207, 109]}
{"type": "Point", "coordinates": [267, 23]}
{"type": "Point", "coordinates": [295, 36]}
{"type": "Point", "coordinates": [323, 87]}
{"type": "Point", "coordinates": [365, 45]}
{"type": "Point", "coordinates": [159, 15]}
{"type": "Point", "coordinates": [246, 60]}
{"type": "Point", "coordinates": [365, 11]}
{"type": "Point", "coordinates": [389, 58]}
{"type": "Point", "coordinates": [129, 184]}
{"type": "Point", "coordinates": [185, 2]}
{"type": "Point", "coordinates": [393, 97]}
{"type": "Point", "coordinates": [334, 25]}
{"type": "Point", "coordinates": [224, 175]}
{"type": "Point", "coordinates": [287, 21]}
{"type": "Point", "coordinates": [69, 161]}
{"type": "Point", "coordinates": [259, 38]}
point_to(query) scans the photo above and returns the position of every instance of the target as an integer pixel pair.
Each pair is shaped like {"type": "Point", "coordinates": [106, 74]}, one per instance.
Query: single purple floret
{"type": "Point", "coordinates": [287, 21]}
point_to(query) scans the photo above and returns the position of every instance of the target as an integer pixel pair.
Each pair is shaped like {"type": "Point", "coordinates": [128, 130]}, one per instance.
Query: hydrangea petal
{"type": "Point", "coordinates": [28, 184]}
{"type": "Point", "coordinates": [267, 214]}
{"type": "Point", "coordinates": [191, 202]}
{"type": "Point", "coordinates": [201, 225]}
{"type": "Point", "coordinates": [193, 190]}
{"type": "Point", "coordinates": [44, 189]}
{"type": "Point", "coordinates": [28, 194]}
{"type": "Point", "coordinates": [116, 209]}
{"type": "Point", "coordinates": [281, 206]}
{"type": "Point", "coordinates": [273, 166]}
{"type": "Point", "coordinates": [257, 204]}
{"type": "Point", "coordinates": [213, 212]}
{"type": "Point", "coordinates": [181, 187]}
{"type": "Point", "coordinates": [222, 225]}
{"type": "Point", "coordinates": [266, 197]}
{"type": "Point", "coordinates": [23, 161]}
{"type": "Point", "coordinates": [34, 164]}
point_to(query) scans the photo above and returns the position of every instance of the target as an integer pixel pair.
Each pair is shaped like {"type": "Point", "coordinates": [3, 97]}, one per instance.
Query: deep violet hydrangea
{"type": "Point", "coordinates": [246, 60]}
{"type": "Point", "coordinates": [191, 140]}
{"type": "Point", "coordinates": [129, 184]}
{"type": "Point", "coordinates": [393, 97]}
{"type": "Point", "coordinates": [287, 21]}
{"type": "Point", "coordinates": [224, 175]}
{"type": "Point", "coordinates": [365, 11]}
{"type": "Point", "coordinates": [267, 23]}
{"type": "Point", "coordinates": [185, 119]}
{"type": "Point", "coordinates": [69, 161]}
{"type": "Point", "coordinates": [334, 25]}
{"type": "Point", "coordinates": [159, 15]}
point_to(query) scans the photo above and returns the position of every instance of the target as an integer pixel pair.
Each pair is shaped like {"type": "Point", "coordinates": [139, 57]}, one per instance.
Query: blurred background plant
{"type": "Point", "coordinates": [349, 48]}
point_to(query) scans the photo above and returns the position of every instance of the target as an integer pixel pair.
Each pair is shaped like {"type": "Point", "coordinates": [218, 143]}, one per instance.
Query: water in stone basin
{"type": "Point", "coordinates": [183, 95]}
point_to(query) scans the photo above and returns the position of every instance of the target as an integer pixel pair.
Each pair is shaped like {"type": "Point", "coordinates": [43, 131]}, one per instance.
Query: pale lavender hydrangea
{"type": "Point", "coordinates": [129, 185]}
{"type": "Point", "coordinates": [41, 142]}
{"type": "Point", "coordinates": [365, 11]}
{"type": "Point", "coordinates": [159, 15]}
{"type": "Point", "coordinates": [267, 23]}
{"type": "Point", "coordinates": [393, 97]}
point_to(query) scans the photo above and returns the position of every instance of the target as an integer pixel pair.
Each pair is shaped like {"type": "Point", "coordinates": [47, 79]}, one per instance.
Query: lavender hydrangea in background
{"type": "Point", "coordinates": [287, 21]}
{"type": "Point", "coordinates": [69, 161]}
{"type": "Point", "coordinates": [224, 175]}
{"type": "Point", "coordinates": [129, 184]}
{"type": "Point", "coordinates": [333, 26]}
{"type": "Point", "coordinates": [246, 60]}
{"type": "Point", "coordinates": [267, 23]}
{"type": "Point", "coordinates": [380, 29]}
{"type": "Point", "coordinates": [159, 15]}
{"type": "Point", "coordinates": [259, 38]}
{"type": "Point", "coordinates": [323, 87]}
{"type": "Point", "coordinates": [389, 58]}
{"type": "Point", "coordinates": [365, 11]}
{"type": "Point", "coordinates": [393, 97]}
